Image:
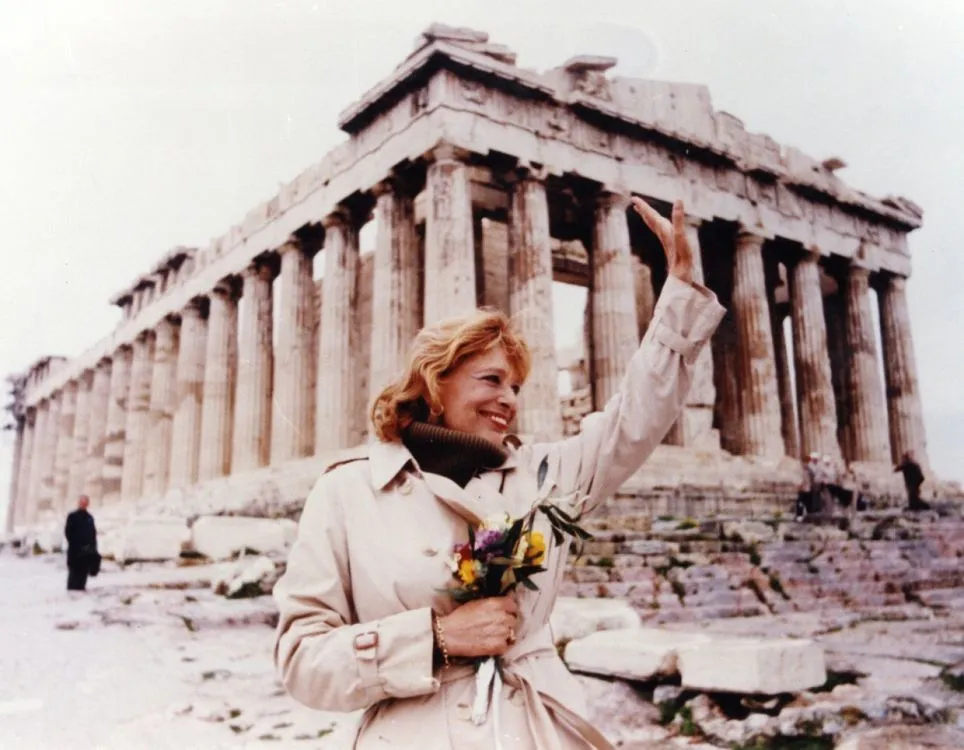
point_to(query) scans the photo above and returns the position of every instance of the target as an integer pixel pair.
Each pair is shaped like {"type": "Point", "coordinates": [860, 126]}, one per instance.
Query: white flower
{"type": "Point", "coordinates": [497, 522]}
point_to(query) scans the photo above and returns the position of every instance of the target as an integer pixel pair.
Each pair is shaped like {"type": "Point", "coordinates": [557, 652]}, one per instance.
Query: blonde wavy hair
{"type": "Point", "coordinates": [435, 353]}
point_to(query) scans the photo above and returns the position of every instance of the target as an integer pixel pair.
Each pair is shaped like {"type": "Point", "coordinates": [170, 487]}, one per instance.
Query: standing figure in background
{"type": "Point", "coordinates": [913, 479]}
{"type": "Point", "coordinates": [82, 556]}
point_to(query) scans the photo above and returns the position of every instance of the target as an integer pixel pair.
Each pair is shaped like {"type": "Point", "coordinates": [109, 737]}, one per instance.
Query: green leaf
{"type": "Point", "coordinates": [529, 584]}
{"type": "Point", "coordinates": [542, 472]}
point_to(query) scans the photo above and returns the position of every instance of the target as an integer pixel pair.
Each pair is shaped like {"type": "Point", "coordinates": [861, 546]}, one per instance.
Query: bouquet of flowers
{"type": "Point", "coordinates": [501, 554]}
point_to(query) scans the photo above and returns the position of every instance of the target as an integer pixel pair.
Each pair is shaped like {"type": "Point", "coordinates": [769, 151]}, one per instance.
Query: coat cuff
{"type": "Point", "coordinates": [394, 654]}
{"type": "Point", "coordinates": [685, 316]}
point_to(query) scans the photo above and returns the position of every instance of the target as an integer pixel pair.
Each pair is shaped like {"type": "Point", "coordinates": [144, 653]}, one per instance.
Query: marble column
{"type": "Point", "coordinates": [23, 496]}
{"type": "Point", "coordinates": [15, 475]}
{"type": "Point", "coordinates": [867, 420]}
{"type": "Point", "coordinates": [337, 389]}
{"type": "Point", "coordinates": [120, 381]}
{"type": "Point", "coordinates": [450, 287]}
{"type": "Point", "coordinates": [615, 335]}
{"type": "Point", "coordinates": [756, 360]}
{"type": "Point", "coordinates": [186, 429]}
{"type": "Point", "coordinates": [396, 317]}
{"type": "Point", "coordinates": [811, 357]}
{"type": "Point", "coordinates": [252, 420]}
{"type": "Point", "coordinates": [138, 417]}
{"type": "Point", "coordinates": [163, 402]}
{"type": "Point", "coordinates": [97, 430]}
{"type": "Point", "coordinates": [217, 410]}
{"type": "Point", "coordinates": [48, 453]}
{"type": "Point", "coordinates": [78, 461]}
{"type": "Point", "coordinates": [726, 412]}
{"type": "Point", "coordinates": [65, 446]}
{"type": "Point", "coordinates": [904, 410]}
{"type": "Point", "coordinates": [530, 304]}
{"type": "Point", "coordinates": [293, 416]}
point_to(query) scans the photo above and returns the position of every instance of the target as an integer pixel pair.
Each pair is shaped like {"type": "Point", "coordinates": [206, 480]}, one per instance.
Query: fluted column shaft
{"type": "Point", "coordinates": [867, 421]}
{"type": "Point", "coordinates": [811, 356]}
{"type": "Point", "coordinates": [904, 409]}
{"type": "Point", "coordinates": [217, 409]}
{"type": "Point", "coordinates": [138, 417]}
{"type": "Point", "coordinates": [293, 415]}
{"type": "Point", "coordinates": [396, 317]}
{"type": "Point", "coordinates": [337, 389]}
{"type": "Point", "coordinates": [756, 360]}
{"type": "Point", "coordinates": [530, 304]}
{"type": "Point", "coordinates": [8, 521]}
{"type": "Point", "coordinates": [186, 430]}
{"type": "Point", "coordinates": [78, 461]}
{"type": "Point", "coordinates": [48, 448]}
{"type": "Point", "coordinates": [252, 419]}
{"type": "Point", "coordinates": [97, 430]}
{"type": "Point", "coordinates": [120, 381]}
{"type": "Point", "coordinates": [450, 287]}
{"type": "Point", "coordinates": [23, 473]}
{"type": "Point", "coordinates": [615, 335]}
{"type": "Point", "coordinates": [65, 445]}
{"type": "Point", "coordinates": [160, 416]}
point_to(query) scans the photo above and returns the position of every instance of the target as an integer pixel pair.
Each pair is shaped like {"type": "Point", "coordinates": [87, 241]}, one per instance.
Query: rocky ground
{"type": "Point", "coordinates": [152, 657]}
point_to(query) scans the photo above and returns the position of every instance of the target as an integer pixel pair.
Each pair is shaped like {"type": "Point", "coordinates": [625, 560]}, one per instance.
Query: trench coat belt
{"type": "Point", "coordinates": [538, 645]}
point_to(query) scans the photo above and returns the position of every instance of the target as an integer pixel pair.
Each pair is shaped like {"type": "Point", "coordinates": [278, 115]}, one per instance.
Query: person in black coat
{"type": "Point", "coordinates": [913, 479]}
{"type": "Point", "coordinates": [82, 556]}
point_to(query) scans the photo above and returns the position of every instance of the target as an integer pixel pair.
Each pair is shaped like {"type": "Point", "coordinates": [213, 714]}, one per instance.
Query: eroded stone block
{"type": "Point", "coordinates": [752, 665]}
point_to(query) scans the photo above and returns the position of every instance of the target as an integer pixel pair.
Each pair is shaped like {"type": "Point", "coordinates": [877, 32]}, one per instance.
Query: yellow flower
{"type": "Point", "coordinates": [468, 571]}
{"type": "Point", "coordinates": [536, 550]}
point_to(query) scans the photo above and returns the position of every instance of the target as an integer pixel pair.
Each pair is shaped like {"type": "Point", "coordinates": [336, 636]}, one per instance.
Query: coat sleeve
{"type": "Point", "coordinates": [613, 443]}
{"type": "Point", "coordinates": [326, 658]}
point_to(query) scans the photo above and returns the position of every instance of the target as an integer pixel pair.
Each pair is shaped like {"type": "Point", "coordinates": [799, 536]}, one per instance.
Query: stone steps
{"type": "Point", "coordinates": [672, 574]}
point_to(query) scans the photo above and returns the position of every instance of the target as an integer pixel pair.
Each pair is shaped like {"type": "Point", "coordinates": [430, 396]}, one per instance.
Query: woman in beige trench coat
{"type": "Point", "coordinates": [364, 623]}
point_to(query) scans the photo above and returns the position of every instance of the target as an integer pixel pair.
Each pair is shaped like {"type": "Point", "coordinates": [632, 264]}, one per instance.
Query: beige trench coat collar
{"type": "Point", "coordinates": [388, 460]}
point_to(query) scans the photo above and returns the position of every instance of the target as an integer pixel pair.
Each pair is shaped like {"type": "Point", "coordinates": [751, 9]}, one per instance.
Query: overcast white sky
{"type": "Point", "coordinates": [131, 126]}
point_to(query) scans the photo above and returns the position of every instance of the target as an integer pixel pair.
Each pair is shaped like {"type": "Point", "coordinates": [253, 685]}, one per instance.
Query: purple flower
{"type": "Point", "coordinates": [487, 538]}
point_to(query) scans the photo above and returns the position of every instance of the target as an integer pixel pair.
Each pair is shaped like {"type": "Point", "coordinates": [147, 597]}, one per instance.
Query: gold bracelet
{"type": "Point", "coordinates": [440, 637]}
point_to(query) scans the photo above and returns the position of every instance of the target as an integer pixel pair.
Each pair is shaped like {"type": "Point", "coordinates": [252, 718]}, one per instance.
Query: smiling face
{"type": "Point", "coordinates": [480, 396]}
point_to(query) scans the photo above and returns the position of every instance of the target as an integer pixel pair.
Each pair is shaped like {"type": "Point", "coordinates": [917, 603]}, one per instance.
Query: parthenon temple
{"type": "Point", "coordinates": [487, 183]}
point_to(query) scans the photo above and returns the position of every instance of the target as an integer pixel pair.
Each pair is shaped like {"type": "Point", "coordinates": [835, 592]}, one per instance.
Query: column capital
{"type": "Point", "coordinates": [195, 308]}
{"type": "Point", "coordinates": [227, 288]}
{"type": "Point", "coordinates": [859, 271]}
{"type": "Point", "coordinates": [610, 199]}
{"type": "Point", "coordinates": [446, 152]}
{"type": "Point", "coordinates": [339, 217]}
{"type": "Point", "coordinates": [264, 266]}
{"type": "Point", "coordinates": [296, 244]}
{"type": "Point", "coordinates": [394, 184]}
{"type": "Point", "coordinates": [884, 281]}
{"type": "Point", "coordinates": [750, 236]}
{"type": "Point", "coordinates": [525, 172]}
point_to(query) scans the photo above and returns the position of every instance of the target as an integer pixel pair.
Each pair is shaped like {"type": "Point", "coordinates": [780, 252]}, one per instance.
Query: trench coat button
{"type": "Point", "coordinates": [463, 711]}
{"type": "Point", "coordinates": [430, 552]}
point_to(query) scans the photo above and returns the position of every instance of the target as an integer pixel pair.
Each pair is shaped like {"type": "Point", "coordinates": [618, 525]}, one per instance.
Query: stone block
{"type": "Point", "coordinates": [749, 532]}
{"type": "Point", "coordinates": [752, 665]}
{"type": "Point", "coordinates": [577, 618]}
{"type": "Point", "coordinates": [252, 576]}
{"type": "Point", "coordinates": [636, 654]}
{"type": "Point", "coordinates": [147, 540]}
{"type": "Point", "coordinates": [222, 537]}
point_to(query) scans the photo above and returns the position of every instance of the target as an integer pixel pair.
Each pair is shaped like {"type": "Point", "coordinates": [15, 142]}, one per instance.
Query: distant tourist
{"type": "Point", "coordinates": [913, 479]}
{"type": "Point", "coordinates": [82, 556]}
{"type": "Point", "coordinates": [809, 496]}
